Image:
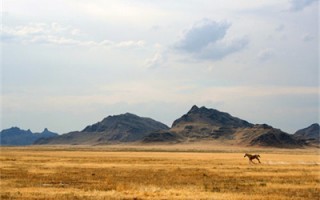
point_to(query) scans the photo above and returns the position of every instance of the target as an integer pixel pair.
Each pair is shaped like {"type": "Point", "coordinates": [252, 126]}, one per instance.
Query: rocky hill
{"type": "Point", "coordinates": [202, 122]}
{"type": "Point", "coordinates": [213, 117]}
{"type": "Point", "coordinates": [17, 137]}
{"type": "Point", "coordinates": [210, 124]}
{"type": "Point", "coordinates": [264, 135]}
{"type": "Point", "coordinates": [112, 129]}
{"type": "Point", "coordinates": [310, 135]}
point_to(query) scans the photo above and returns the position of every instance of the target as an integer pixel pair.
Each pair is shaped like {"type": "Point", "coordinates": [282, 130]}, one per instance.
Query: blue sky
{"type": "Point", "coordinates": [67, 64]}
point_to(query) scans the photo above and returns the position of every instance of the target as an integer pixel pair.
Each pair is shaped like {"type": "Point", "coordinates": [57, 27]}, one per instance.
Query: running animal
{"type": "Point", "coordinates": [252, 157]}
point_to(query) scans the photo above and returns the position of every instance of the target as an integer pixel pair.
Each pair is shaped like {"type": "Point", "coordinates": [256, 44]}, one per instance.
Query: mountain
{"type": "Point", "coordinates": [17, 137]}
{"type": "Point", "coordinates": [264, 135]}
{"type": "Point", "coordinates": [310, 135]}
{"type": "Point", "coordinates": [210, 116]}
{"type": "Point", "coordinates": [210, 124]}
{"type": "Point", "coordinates": [112, 129]}
{"type": "Point", "coordinates": [207, 123]}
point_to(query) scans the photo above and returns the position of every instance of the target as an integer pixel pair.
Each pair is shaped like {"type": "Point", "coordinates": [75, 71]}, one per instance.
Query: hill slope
{"type": "Point", "coordinates": [119, 128]}
{"type": "Point", "coordinates": [311, 134]}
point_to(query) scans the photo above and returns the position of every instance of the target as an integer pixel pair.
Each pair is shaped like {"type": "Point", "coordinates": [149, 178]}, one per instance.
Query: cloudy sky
{"type": "Point", "coordinates": [68, 64]}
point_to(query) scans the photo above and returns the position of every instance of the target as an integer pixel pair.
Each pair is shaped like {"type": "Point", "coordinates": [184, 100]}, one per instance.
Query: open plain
{"type": "Point", "coordinates": [158, 172]}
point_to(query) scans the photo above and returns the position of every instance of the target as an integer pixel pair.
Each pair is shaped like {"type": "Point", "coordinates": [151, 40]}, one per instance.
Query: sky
{"type": "Point", "coordinates": [69, 64]}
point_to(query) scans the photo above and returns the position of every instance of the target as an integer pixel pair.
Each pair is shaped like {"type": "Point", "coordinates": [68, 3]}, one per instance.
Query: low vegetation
{"type": "Point", "coordinates": [150, 173]}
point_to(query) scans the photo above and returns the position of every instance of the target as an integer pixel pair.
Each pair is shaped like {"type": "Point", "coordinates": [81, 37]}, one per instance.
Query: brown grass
{"type": "Point", "coordinates": [132, 172]}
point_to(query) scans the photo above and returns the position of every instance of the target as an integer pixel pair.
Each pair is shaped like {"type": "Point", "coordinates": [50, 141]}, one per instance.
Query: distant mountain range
{"type": "Point", "coordinates": [17, 137]}
{"type": "Point", "coordinates": [197, 124]}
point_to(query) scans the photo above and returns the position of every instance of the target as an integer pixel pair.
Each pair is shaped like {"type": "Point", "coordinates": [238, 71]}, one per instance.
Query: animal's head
{"type": "Point", "coordinates": [245, 155]}
{"type": "Point", "coordinates": [258, 155]}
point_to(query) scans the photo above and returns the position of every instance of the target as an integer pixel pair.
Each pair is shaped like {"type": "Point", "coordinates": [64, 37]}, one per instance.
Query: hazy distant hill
{"type": "Point", "coordinates": [310, 135]}
{"type": "Point", "coordinates": [210, 124]}
{"type": "Point", "coordinates": [17, 137]}
{"type": "Point", "coordinates": [119, 128]}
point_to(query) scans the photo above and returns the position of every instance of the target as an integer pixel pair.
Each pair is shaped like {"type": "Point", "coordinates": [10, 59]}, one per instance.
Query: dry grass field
{"type": "Point", "coordinates": [157, 173]}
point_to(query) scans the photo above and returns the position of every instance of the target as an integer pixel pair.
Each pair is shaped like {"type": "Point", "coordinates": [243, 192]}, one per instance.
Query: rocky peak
{"type": "Point", "coordinates": [210, 116]}
{"type": "Point", "coordinates": [45, 130]}
{"type": "Point", "coordinates": [194, 108]}
{"type": "Point", "coordinates": [47, 133]}
{"type": "Point", "coordinates": [314, 126]}
{"type": "Point", "coordinates": [125, 127]}
{"type": "Point", "coordinates": [202, 110]}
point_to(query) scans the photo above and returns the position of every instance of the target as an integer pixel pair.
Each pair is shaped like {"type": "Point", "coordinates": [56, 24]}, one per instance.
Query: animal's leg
{"type": "Point", "coordinates": [258, 160]}
{"type": "Point", "coordinates": [252, 161]}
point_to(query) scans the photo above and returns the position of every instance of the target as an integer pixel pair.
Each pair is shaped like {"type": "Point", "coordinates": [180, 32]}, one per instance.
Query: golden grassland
{"type": "Point", "coordinates": [157, 172]}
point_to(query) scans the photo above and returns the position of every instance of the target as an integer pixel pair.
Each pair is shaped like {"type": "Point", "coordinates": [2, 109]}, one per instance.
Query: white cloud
{"type": "Point", "coordinates": [56, 34]}
{"type": "Point", "coordinates": [131, 43]}
{"type": "Point", "coordinates": [38, 33]}
{"type": "Point", "coordinates": [207, 40]}
{"type": "Point", "coordinates": [157, 60]}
